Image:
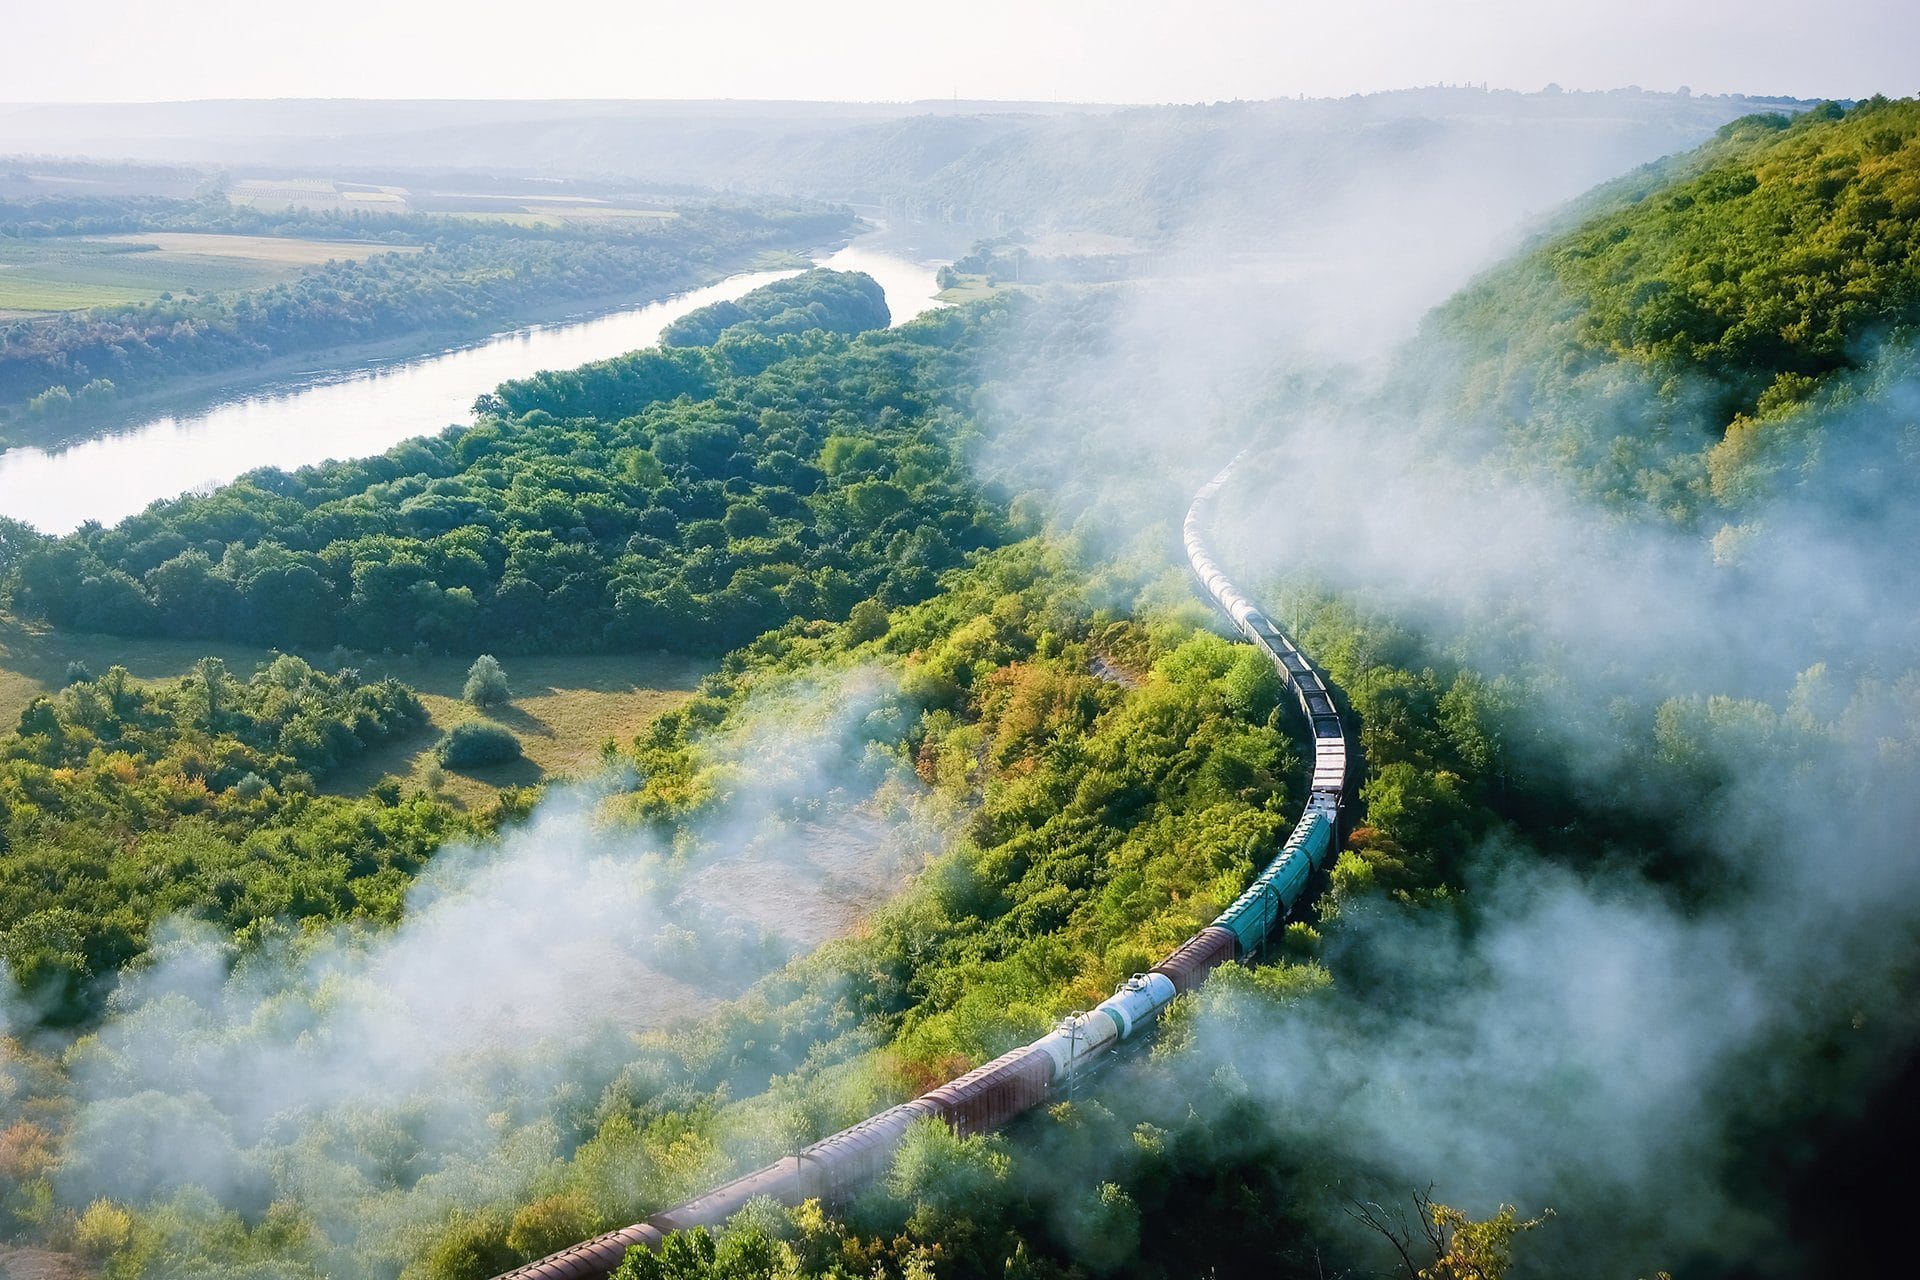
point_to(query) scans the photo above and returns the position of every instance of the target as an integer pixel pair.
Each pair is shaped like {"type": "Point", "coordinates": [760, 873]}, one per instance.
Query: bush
{"type": "Point", "coordinates": [103, 1230]}
{"type": "Point", "coordinates": [868, 621]}
{"type": "Point", "coordinates": [549, 1224]}
{"type": "Point", "coordinates": [486, 683]}
{"type": "Point", "coordinates": [477, 743]}
{"type": "Point", "coordinates": [79, 673]}
{"type": "Point", "coordinates": [467, 1246]}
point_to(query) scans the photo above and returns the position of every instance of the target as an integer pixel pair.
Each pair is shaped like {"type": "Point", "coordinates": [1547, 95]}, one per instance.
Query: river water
{"type": "Point", "coordinates": [368, 409]}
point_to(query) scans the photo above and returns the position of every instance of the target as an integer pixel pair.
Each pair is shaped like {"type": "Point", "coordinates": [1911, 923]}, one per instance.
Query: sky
{"type": "Point", "coordinates": [1128, 51]}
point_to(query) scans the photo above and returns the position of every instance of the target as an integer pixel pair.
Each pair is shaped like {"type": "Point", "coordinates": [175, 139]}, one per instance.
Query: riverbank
{"type": "Point", "coordinates": [365, 407]}
{"type": "Point", "coordinates": [196, 393]}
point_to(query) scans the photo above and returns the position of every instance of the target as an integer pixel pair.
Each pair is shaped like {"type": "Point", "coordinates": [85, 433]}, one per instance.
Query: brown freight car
{"type": "Point", "coordinates": [833, 1168]}
{"type": "Point", "coordinates": [592, 1259]}
{"type": "Point", "coordinates": [781, 1180]}
{"type": "Point", "coordinates": [1188, 967]}
{"type": "Point", "coordinates": [987, 1097]}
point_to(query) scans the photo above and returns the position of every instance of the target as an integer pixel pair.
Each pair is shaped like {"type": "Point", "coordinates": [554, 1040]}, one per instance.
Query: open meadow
{"type": "Point", "coordinates": [70, 273]}
{"type": "Point", "coordinates": [563, 709]}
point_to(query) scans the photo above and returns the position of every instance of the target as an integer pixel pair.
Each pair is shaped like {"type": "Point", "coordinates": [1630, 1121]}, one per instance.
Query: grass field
{"type": "Point", "coordinates": [972, 287]}
{"type": "Point", "coordinates": [543, 215]}
{"type": "Point", "coordinates": [66, 273]}
{"type": "Point", "coordinates": [564, 706]}
{"type": "Point", "coordinates": [506, 218]}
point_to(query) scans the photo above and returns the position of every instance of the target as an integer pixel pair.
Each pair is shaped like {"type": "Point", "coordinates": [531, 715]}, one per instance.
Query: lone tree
{"type": "Point", "coordinates": [486, 682]}
{"type": "Point", "coordinates": [1461, 1248]}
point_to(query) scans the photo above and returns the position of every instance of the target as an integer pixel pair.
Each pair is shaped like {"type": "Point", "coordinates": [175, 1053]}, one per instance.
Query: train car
{"type": "Point", "coordinates": [987, 1097]}
{"type": "Point", "coordinates": [833, 1168]}
{"type": "Point", "coordinates": [778, 1181]}
{"type": "Point", "coordinates": [591, 1259]}
{"type": "Point", "coordinates": [1077, 1040]}
{"type": "Point", "coordinates": [1138, 1001]}
{"type": "Point", "coordinates": [1198, 956]}
{"type": "Point", "coordinates": [1255, 913]}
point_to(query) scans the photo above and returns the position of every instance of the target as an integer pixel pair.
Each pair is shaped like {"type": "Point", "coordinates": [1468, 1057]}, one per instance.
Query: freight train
{"type": "Point", "coordinates": [988, 1097]}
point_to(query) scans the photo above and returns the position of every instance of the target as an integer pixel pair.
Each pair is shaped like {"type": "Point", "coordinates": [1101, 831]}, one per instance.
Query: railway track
{"type": "Point", "coordinates": [988, 1097]}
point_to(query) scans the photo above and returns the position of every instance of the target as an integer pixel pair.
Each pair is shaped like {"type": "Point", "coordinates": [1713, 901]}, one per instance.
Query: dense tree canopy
{"type": "Point", "coordinates": [124, 803]}
{"type": "Point", "coordinates": [847, 302]}
{"type": "Point", "coordinates": [687, 498]}
{"type": "Point", "coordinates": [1107, 768]}
{"type": "Point", "coordinates": [1697, 314]}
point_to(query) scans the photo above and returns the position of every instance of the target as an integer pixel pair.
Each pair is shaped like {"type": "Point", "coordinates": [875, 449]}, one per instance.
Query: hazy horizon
{"type": "Point", "coordinates": [1122, 52]}
{"type": "Point", "coordinates": [884, 103]}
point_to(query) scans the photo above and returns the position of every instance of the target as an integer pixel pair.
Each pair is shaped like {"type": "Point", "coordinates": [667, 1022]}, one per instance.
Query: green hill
{"type": "Point", "coordinates": [1681, 333]}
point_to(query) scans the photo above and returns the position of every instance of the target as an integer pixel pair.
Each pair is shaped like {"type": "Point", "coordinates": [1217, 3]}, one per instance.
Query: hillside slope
{"type": "Point", "coordinates": [1683, 331]}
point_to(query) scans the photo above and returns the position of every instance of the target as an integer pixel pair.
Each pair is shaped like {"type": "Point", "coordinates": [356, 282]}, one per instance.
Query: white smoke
{"type": "Point", "coordinates": [379, 1079]}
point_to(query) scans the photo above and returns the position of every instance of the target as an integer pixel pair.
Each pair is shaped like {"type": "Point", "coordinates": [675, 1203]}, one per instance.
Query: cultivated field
{"type": "Point", "coordinates": [547, 209]}
{"type": "Point", "coordinates": [546, 215]}
{"type": "Point", "coordinates": [66, 273]}
{"type": "Point", "coordinates": [316, 193]}
{"type": "Point", "coordinates": [564, 707]}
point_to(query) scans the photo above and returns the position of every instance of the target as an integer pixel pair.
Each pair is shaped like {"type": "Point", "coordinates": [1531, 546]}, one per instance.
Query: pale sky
{"type": "Point", "coordinates": [1067, 50]}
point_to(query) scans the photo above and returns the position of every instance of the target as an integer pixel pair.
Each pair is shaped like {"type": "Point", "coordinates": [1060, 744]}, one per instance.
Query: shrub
{"type": "Point", "coordinates": [486, 683]}
{"type": "Point", "coordinates": [79, 673]}
{"type": "Point", "coordinates": [550, 1223]}
{"type": "Point", "coordinates": [104, 1229]}
{"type": "Point", "coordinates": [477, 743]}
{"type": "Point", "coordinates": [467, 1246]}
{"type": "Point", "coordinates": [868, 621]}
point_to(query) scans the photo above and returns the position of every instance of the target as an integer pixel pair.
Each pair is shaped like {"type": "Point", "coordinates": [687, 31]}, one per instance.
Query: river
{"type": "Point", "coordinates": [368, 409]}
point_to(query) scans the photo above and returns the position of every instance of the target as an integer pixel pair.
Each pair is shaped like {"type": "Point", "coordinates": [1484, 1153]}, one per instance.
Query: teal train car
{"type": "Point", "coordinates": [1255, 913]}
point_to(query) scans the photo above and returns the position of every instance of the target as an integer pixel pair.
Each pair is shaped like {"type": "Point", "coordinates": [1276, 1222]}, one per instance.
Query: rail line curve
{"type": "Point", "coordinates": [988, 1097]}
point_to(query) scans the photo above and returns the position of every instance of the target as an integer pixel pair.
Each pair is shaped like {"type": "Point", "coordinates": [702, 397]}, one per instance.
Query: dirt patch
{"type": "Point", "coordinates": [41, 1264]}
{"type": "Point", "coordinates": [616, 986]}
{"type": "Point", "coordinates": [816, 886]}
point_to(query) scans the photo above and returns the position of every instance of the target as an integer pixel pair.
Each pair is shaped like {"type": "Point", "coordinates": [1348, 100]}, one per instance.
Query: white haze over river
{"type": "Point", "coordinates": [368, 409]}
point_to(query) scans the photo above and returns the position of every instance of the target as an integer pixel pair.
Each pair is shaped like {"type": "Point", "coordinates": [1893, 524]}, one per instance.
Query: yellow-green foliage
{"type": "Point", "coordinates": [1465, 1249]}
{"type": "Point", "coordinates": [123, 803]}
{"type": "Point", "coordinates": [1707, 296]}
{"type": "Point", "coordinates": [103, 1230]}
{"type": "Point", "coordinates": [1761, 258]}
{"type": "Point", "coordinates": [550, 1223]}
{"type": "Point", "coordinates": [1771, 253]}
{"type": "Point", "coordinates": [1103, 823]}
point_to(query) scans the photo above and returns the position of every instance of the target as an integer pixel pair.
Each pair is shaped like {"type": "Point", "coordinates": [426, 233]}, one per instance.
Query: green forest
{"type": "Point", "coordinates": [862, 525]}
{"type": "Point", "coordinates": [1730, 298]}
{"type": "Point", "coordinates": [845, 302]}
{"type": "Point", "coordinates": [127, 804]}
